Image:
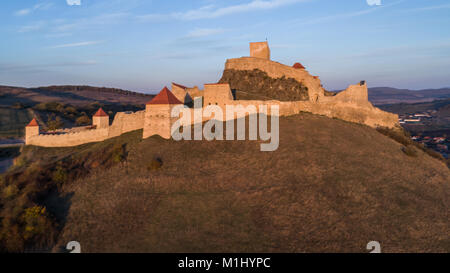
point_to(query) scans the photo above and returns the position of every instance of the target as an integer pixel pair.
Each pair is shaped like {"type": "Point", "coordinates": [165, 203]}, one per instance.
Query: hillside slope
{"type": "Point", "coordinates": [388, 95]}
{"type": "Point", "coordinates": [331, 186]}
{"type": "Point", "coordinates": [76, 95]}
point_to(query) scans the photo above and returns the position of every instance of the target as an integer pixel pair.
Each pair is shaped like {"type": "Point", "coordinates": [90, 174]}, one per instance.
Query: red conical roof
{"type": "Point", "coordinates": [100, 113]}
{"type": "Point", "coordinates": [165, 97]}
{"type": "Point", "coordinates": [298, 66]}
{"type": "Point", "coordinates": [33, 123]}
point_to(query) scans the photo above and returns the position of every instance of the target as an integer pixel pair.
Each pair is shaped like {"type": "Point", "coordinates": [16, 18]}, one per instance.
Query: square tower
{"type": "Point", "coordinates": [100, 119]}
{"type": "Point", "coordinates": [158, 120]}
{"type": "Point", "coordinates": [31, 130]}
{"type": "Point", "coordinates": [260, 50]}
{"type": "Point", "coordinates": [217, 94]}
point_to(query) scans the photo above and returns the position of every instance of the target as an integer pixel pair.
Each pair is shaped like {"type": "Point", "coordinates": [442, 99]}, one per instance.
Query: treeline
{"type": "Point", "coordinates": [73, 88]}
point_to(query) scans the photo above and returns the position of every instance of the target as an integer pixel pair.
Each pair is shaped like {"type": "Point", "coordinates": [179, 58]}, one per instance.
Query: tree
{"type": "Point", "coordinates": [83, 120]}
{"type": "Point", "coordinates": [54, 124]}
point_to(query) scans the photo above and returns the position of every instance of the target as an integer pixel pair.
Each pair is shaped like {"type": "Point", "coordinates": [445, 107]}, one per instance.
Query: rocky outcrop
{"type": "Point", "coordinates": [257, 84]}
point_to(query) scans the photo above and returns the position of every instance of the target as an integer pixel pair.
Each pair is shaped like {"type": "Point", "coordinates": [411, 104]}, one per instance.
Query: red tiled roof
{"type": "Point", "coordinates": [165, 97]}
{"type": "Point", "coordinates": [100, 113]}
{"type": "Point", "coordinates": [33, 123]}
{"type": "Point", "coordinates": [316, 77]}
{"type": "Point", "coordinates": [298, 66]}
{"type": "Point", "coordinates": [179, 85]}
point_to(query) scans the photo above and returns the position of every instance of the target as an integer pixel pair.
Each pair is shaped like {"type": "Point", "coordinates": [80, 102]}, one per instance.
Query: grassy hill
{"type": "Point", "coordinates": [74, 95]}
{"type": "Point", "coordinates": [331, 186]}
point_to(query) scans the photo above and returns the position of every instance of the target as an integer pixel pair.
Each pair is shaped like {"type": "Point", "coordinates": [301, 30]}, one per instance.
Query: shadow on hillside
{"type": "Point", "coordinates": [67, 95]}
{"type": "Point", "coordinates": [58, 204]}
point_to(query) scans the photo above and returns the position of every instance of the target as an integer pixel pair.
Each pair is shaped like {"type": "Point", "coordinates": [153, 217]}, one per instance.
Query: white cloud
{"type": "Point", "coordinates": [33, 27]}
{"type": "Point", "coordinates": [73, 2]}
{"type": "Point", "coordinates": [202, 32]}
{"type": "Point", "coordinates": [208, 12]}
{"type": "Point", "coordinates": [77, 44]}
{"type": "Point", "coordinates": [437, 7]}
{"type": "Point", "coordinates": [318, 20]}
{"type": "Point", "coordinates": [22, 12]}
{"type": "Point", "coordinates": [40, 6]}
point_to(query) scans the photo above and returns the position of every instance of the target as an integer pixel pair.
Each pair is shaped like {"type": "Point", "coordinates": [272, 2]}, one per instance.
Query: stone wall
{"type": "Point", "coordinates": [368, 115]}
{"type": "Point", "coordinates": [126, 122]}
{"type": "Point", "coordinates": [123, 122]}
{"type": "Point", "coordinates": [69, 139]}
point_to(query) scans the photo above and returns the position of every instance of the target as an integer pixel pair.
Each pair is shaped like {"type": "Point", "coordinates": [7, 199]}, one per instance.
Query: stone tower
{"type": "Point", "coordinates": [31, 130]}
{"type": "Point", "coordinates": [260, 50]}
{"type": "Point", "coordinates": [158, 120]}
{"type": "Point", "coordinates": [100, 119]}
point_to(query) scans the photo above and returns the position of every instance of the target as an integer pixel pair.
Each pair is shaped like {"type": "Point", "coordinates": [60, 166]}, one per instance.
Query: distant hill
{"type": "Point", "coordinates": [332, 186]}
{"type": "Point", "coordinates": [439, 124]}
{"type": "Point", "coordinates": [440, 106]}
{"type": "Point", "coordinates": [19, 105]}
{"type": "Point", "coordinates": [74, 95]}
{"type": "Point", "coordinates": [388, 95]}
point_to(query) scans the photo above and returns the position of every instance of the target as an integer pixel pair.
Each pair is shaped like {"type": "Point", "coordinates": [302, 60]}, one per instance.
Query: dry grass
{"type": "Point", "coordinates": [332, 186]}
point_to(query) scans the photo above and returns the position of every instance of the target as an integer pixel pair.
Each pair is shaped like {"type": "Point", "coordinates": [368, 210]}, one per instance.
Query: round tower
{"type": "Point", "coordinates": [100, 119]}
{"type": "Point", "coordinates": [31, 130]}
{"type": "Point", "coordinates": [158, 120]}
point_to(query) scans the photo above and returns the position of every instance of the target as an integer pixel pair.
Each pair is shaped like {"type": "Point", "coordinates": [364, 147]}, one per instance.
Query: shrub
{"type": "Point", "coordinates": [118, 153]}
{"type": "Point", "coordinates": [398, 135]}
{"type": "Point", "coordinates": [155, 164]}
{"type": "Point", "coordinates": [59, 175]}
{"type": "Point", "coordinates": [54, 124]}
{"type": "Point", "coordinates": [434, 154]}
{"type": "Point", "coordinates": [19, 162]}
{"type": "Point", "coordinates": [10, 192]}
{"type": "Point", "coordinates": [36, 222]}
{"type": "Point", "coordinates": [410, 151]}
{"type": "Point", "coordinates": [83, 120]}
{"type": "Point", "coordinates": [71, 109]}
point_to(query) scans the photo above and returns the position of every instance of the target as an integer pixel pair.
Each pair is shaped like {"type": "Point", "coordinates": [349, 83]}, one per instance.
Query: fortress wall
{"type": "Point", "coordinates": [180, 93]}
{"type": "Point", "coordinates": [370, 116]}
{"type": "Point", "coordinates": [217, 94]}
{"type": "Point", "coordinates": [124, 123]}
{"type": "Point", "coordinates": [70, 139]}
{"type": "Point", "coordinates": [356, 94]}
{"type": "Point", "coordinates": [278, 70]}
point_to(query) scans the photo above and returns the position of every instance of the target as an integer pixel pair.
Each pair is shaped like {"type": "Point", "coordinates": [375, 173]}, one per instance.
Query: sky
{"type": "Point", "coordinates": [143, 45]}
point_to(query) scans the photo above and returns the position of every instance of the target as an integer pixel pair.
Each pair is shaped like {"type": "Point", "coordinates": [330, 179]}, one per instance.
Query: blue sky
{"type": "Point", "coordinates": [142, 45]}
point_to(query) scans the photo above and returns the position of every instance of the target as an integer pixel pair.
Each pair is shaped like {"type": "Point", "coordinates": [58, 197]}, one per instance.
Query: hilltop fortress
{"type": "Point", "coordinates": [304, 94]}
